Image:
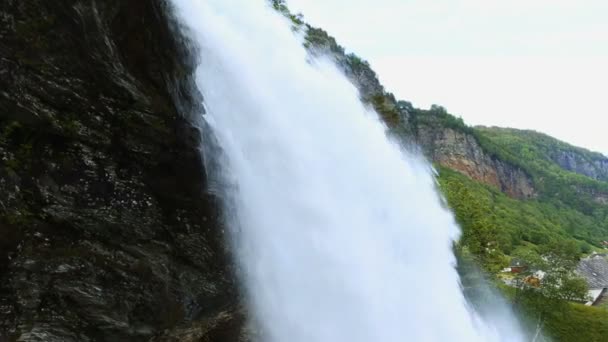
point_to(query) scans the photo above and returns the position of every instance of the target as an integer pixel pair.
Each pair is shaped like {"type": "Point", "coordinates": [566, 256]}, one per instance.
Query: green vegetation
{"type": "Point", "coordinates": [497, 227]}
{"type": "Point", "coordinates": [296, 19]}
{"type": "Point", "coordinates": [568, 322]}
{"type": "Point", "coordinates": [317, 38]}
{"type": "Point", "coordinates": [439, 116]}
{"type": "Point", "coordinates": [546, 233]}
{"type": "Point", "coordinates": [12, 133]}
{"type": "Point", "coordinates": [386, 108]}
{"type": "Point", "coordinates": [519, 225]}
{"type": "Point", "coordinates": [550, 232]}
{"type": "Point", "coordinates": [578, 323]}
{"type": "Point", "coordinates": [481, 238]}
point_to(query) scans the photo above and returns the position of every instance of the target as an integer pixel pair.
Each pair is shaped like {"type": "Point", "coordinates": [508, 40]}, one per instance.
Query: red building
{"type": "Point", "coordinates": [517, 266]}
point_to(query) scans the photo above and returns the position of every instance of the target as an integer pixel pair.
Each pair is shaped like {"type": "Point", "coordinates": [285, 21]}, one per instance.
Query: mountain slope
{"type": "Point", "coordinates": [532, 144]}
{"type": "Point", "coordinates": [571, 174]}
{"type": "Point", "coordinates": [576, 185]}
{"type": "Point", "coordinates": [448, 142]}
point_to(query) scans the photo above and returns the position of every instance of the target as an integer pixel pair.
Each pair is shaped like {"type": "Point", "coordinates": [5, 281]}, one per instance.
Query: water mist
{"type": "Point", "coordinates": [339, 235]}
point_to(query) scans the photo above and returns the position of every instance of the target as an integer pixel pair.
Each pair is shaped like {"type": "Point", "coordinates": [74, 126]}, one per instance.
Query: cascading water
{"type": "Point", "coordinates": [339, 235]}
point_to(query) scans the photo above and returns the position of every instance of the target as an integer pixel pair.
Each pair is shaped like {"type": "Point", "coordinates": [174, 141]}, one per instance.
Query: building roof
{"type": "Point", "coordinates": [515, 262]}
{"type": "Point", "coordinates": [594, 270]}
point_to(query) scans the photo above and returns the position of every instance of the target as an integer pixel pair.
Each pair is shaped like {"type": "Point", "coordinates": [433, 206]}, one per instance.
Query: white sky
{"type": "Point", "coordinates": [535, 64]}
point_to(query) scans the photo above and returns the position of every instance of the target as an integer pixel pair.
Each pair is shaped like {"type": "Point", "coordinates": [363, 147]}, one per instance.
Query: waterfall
{"type": "Point", "coordinates": [339, 235]}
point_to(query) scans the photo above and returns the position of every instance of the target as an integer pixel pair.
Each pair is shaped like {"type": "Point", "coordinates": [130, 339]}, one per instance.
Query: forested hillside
{"type": "Point", "coordinates": [567, 203]}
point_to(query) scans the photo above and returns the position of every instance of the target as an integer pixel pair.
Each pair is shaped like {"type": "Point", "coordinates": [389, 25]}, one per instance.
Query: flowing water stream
{"type": "Point", "coordinates": [339, 234]}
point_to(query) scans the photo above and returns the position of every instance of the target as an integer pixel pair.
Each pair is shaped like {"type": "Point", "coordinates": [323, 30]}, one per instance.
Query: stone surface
{"type": "Point", "coordinates": [595, 166]}
{"type": "Point", "coordinates": [461, 152]}
{"type": "Point", "coordinates": [106, 232]}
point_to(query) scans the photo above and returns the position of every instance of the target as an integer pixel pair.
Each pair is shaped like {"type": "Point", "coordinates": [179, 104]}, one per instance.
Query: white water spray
{"type": "Point", "coordinates": [339, 234]}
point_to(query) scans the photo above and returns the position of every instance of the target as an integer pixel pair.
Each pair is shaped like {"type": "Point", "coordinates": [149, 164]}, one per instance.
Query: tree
{"type": "Point", "coordinates": [479, 235]}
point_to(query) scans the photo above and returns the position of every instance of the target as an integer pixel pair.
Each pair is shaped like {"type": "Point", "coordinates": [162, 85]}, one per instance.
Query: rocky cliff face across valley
{"type": "Point", "coordinates": [106, 232]}
{"type": "Point", "coordinates": [594, 167]}
{"type": "Point", "coordinates": [461, 152]}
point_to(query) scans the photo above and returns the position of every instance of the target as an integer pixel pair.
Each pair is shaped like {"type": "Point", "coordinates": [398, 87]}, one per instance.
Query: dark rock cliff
{"type": "Point", "coordinates": [106, 232]}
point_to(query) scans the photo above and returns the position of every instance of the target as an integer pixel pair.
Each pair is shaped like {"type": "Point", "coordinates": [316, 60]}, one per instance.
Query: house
{"type": "Point", "coordinates": [517, 266]}
{"type": "Point", "coordinates": [594, 269]}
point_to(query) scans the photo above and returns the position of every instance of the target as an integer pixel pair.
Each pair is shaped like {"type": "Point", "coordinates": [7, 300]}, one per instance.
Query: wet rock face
{"type": "Point", "coordinates": [461, 152]}
{"type": "Point", "coordinates": [106, 232]}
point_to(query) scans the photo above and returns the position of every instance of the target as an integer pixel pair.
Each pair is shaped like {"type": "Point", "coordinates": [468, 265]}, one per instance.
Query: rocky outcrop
{"type": "Point", "coordinates": [395, 114]}
{"type": "Point", "coordinates": [595, 166]}
{"type": "Point", "coordinates": [461, 152]}
{"type": "Point", "coordinates": [106, 232]}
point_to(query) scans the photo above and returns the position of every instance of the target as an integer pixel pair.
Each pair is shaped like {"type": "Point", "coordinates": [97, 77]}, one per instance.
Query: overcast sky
{"type": "Point", "coordinates": [535, 64]}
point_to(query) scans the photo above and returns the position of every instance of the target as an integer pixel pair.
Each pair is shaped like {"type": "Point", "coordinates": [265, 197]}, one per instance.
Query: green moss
{"type": "Point", "coordinates": [22, 157]}
{"type": "Point", "coordinates": [33, 29]}
{"type": "Point", "coordinates": [386, 109]}
{"type": "Point", "coordinates": [439, 117]}
{"type": "Point", "coordinates": [318, 38]}
{"type": "Point", "coordinates": [71, 127]}
{"type": "Point", "coordinates": [8, 130]}
{"type": "Point", "coordinates": [296, 19]}
{"type": "Point", "coordinates": [15, 137]}
{"type": "Point", "coordinates": [18, 217]}
{"type": "Point", "coordinates": [36, 32]}
{"type": "Point", "coordinates": [13, 164]}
